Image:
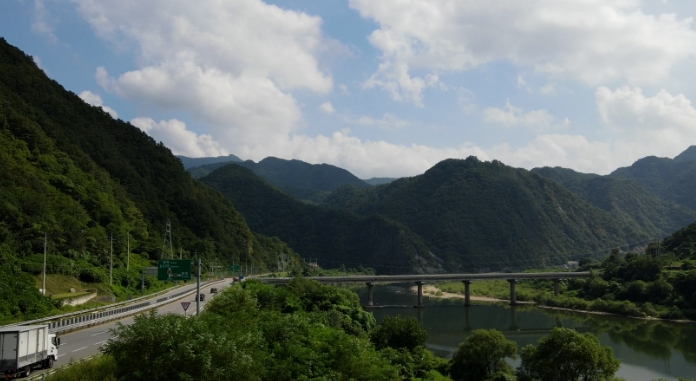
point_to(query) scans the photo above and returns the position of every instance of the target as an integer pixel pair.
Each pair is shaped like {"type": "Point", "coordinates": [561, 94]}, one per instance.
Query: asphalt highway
{"type": "Point", "coordinates": [83, 343]}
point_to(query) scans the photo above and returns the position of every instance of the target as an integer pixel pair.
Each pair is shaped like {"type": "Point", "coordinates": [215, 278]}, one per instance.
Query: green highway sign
{"type": "Point", "coordinates": [174, 269]}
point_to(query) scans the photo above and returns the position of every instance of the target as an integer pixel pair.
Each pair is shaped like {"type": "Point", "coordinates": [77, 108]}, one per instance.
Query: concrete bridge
{"type": "Point", "coordinates": [421, 279]}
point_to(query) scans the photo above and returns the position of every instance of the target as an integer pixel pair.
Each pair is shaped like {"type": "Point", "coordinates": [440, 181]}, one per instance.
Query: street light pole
{"type": "Point", "coordinates": [111, 261]}
{"type": "Point", "coordinates": [43, 282]}
{"type": "Point", "coordinates": [198, 288]}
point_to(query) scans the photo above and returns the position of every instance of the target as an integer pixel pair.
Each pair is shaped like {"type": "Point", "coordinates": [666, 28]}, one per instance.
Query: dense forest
{"type": "Point", "coordinates": [304, 181]}
{"type": "Point", "coordinates": [71, 173]}
{"type": "Point", "coordinates": [480, 216]}
{"type": "Point", "coordinates": [333, 236]}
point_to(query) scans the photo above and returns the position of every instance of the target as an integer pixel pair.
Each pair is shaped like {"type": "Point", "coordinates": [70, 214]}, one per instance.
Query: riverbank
{"type": "Point", "coordinates": [435, 292]}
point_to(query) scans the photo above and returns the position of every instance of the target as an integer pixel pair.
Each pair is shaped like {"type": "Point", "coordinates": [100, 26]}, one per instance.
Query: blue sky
{"type": "Point", "coordinates": [381, 88]}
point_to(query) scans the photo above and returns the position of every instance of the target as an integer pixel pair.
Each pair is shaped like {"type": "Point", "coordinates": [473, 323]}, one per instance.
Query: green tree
{"type": "Point", "coordinates": [398, 332]}
{"type": "Point", "coordinates": [566, 355]}
{"type": "Point", "coordinates": [482, 355]}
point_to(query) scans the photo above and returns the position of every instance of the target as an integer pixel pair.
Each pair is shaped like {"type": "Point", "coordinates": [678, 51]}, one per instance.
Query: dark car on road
{"type": "Point", "coordinates": [213, 290]}
{"type": "Point", "coordinates": [201, 297]}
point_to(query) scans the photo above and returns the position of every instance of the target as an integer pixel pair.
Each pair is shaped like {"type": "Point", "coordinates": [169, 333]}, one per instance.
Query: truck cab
{"type": "Point", "coordinates": [23, 348]}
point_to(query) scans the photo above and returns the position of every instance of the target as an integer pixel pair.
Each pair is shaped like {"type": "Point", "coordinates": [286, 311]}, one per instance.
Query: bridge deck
{"type": "Point", "coordinates": [431, 277]}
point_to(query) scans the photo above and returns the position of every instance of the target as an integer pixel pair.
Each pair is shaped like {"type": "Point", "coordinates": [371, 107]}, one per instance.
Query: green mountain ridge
{"type": "Point", "coordinates": [304, 181]}
{"type": "Point", "coordinates": [335, 237]}
{"type": "Point", "coordinates": [70, 171]}
{"type": "Point", "coordinates": [623, 198]}
{"type": "Point", "coordinates": [191, 162]}
{"type": "Point", "coordinates": [671, 179]}
{"type": "Point", "coordinates": [486, 215]}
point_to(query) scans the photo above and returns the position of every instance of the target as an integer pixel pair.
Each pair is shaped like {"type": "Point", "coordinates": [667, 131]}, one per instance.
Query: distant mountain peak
{"type": "Point", "coordinates": [688, 155]}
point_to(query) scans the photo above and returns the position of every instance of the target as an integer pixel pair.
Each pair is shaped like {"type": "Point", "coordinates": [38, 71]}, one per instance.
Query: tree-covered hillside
{"type": "Point", "coordinates": [191, 162]}
{"type": "Point", "coordinates": [624, 199]}
{"type": "Point", "coordinates": [309, 182]}
{"type": "Point", "coordinates": [335, 237]}
{"type": "Point", "coordinates": [71, 172]}
{"type": "Point", "coordinates": [671, 179]}
{"type": "Point", "coordinates": [485, 215]}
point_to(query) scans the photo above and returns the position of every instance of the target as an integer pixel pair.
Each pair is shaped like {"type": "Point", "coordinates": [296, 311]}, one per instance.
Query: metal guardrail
{"type": "Point", "coordinates": [70, 314]}
{"type": "Point", "coordinates": [71, 324]}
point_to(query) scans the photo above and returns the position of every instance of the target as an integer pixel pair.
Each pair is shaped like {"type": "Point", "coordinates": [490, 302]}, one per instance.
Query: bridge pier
{"type": "Point", "coordinates": [369, 293]}
{"type": "Point", "coordinates": [467, 319]}
{"type": "Point", "coordinates": [467, 295]}
{"type": "Point", "coordinates": [513, 295]}
{"type": "Point", "coordinates": [420, 294]}
{"type": "Point", "coordinates": [556, 288]}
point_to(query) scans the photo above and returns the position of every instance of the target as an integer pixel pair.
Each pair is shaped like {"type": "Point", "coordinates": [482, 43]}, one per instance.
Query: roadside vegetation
{"type": "Point", "coordinates": [309, 331]}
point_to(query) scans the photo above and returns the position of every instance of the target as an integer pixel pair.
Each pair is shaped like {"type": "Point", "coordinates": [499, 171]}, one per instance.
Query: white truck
{"type": "Point", "coordinates": [25, 347]}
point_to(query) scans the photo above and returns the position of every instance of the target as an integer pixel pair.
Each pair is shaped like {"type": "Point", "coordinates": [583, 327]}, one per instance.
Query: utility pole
{"type": "Point", "coordinates": [128, 255]}
{"type": "Point", "coordinates": [198, 287]}
{"type": "Point", "coordinates": [43, 282]}
{"type": "Point", "coordinates": [111, 261]}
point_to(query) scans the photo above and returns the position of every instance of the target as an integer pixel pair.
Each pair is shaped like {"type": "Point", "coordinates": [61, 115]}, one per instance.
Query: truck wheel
{"type": "Point", "coordinates": [49, 363]}
{"type": "Point", "coordinates": [27, 370]}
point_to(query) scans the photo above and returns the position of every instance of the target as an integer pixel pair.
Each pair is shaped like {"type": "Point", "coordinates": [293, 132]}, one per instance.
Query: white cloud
{"type": "Point", "coordinates": [327, 108]}
{"type": "Point", "coordinates": [173, 134]}
{"type": "Point", "coordinates": [523, 84]}
{"type": "Point", "coordinates": [95, 100]}
{"type": "Point", "coordinates": [536, 120]}
{"type": "Point", "coordinates": [549, 89]}
{"type": "Point", "coordinates": [386, 122]}
{"type": "Point", "coordinates": [662, 125]}
{"type": "Point", "coordinates": [42, 22]}
{"type": "Point", "coordinates": [231, 64]}
{"type": "Point", "coordinates": [591, 41]}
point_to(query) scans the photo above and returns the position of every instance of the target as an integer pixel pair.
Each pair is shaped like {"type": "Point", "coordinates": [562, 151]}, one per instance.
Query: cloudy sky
{"type": "Point", "coordinates": [381, 88]}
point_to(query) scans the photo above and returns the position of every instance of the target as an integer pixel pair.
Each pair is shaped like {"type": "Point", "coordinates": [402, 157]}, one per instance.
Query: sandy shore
{"type": "Point", "coordinates": [431, 292]}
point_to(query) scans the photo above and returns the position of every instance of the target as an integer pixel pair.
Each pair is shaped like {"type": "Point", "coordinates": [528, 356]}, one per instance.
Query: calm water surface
{"type": "Point", "coordinates": [648, 350]}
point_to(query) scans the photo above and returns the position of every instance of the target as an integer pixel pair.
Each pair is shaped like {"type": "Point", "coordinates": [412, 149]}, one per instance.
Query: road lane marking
{"type": "Point", "coordinates": [100, 333]}
{"type": "Point", "coordinates": [99, 342]}
{"type": "Point", "coordinates": [79, 349]}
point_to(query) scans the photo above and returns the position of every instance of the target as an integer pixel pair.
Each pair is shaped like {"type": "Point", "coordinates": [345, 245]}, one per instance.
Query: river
{"type": "Point", "coordinates": [648, 350]}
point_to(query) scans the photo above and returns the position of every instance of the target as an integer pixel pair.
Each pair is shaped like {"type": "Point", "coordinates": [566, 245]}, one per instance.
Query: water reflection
{"type": "Point", "coordinates": [647, 349]}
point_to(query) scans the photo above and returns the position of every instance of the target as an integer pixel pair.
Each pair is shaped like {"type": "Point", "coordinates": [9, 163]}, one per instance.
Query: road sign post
{"type": "Point", "coordinates": [174, 269]}
{"type": "Point", "coordinates": [186, 306]}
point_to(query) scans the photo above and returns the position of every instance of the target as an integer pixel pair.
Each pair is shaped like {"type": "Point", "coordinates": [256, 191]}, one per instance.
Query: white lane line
{"type": "Point", "coordinates": [100, 333]}
{"type": "Point", "coordinates": [99, 342]}
{"type": "Point", "coordinates": [79, 349]}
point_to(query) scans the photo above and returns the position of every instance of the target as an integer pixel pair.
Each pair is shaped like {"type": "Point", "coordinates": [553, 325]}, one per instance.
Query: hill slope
{"type": "Point", "coordinates": [70, 171]}
{"type": "Point", "coordinates": [624, 199]}
{"type": "Point", "coordinates": [481, 215]}
{"type": "Point", "coordinates": [671, 179]}
{"type": "Point", "coordinates": [190, 162]}
{"type": "Point", "coordinates": [309, 182]}
{"type": "Point", "coordinates": [333, 236]}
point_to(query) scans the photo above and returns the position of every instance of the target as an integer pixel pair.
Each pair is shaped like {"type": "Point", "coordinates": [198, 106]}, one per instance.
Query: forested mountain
{"type": "Point", "coordinates": [190, 162]}
{"type": "Point", "coordinates": [335, 237]}
{"type": "Point", "coordinates": [70, 171]}
{"type": "Point", "coordinates": [309, 182]}
{"type": "Point", "coordinates": [682, 243]}
{"type": "Point", "coordinates": [380, 180]}
{"type": "Point", "coordinates": [486, 215]}
{"type": "Point", "coordinates": [624, 199]}
{"type": "Point", "coordinates": [671, 179]}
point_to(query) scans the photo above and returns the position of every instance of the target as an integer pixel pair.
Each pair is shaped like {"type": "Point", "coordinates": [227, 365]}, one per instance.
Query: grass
{"type": "Point", "coordinates": [526, 290]}
{"type": "Point", "coordinates": [68, 295]}
{"type": "Point", "coordinates": [99, 368]}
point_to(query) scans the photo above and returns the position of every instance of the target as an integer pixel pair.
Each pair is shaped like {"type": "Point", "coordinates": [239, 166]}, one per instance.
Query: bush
{"type": "Point", "coordinates": [482, 357]}
{"type": "Point", "coordinates": [398, 332]}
